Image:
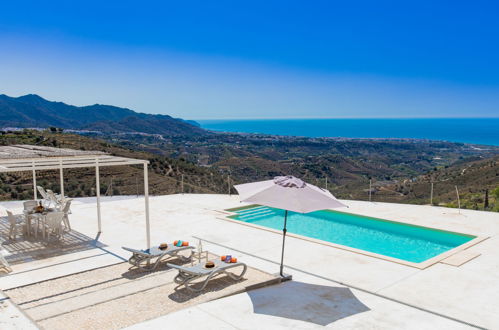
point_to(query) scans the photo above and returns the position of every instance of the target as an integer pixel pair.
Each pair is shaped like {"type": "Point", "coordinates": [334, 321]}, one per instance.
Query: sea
{"type": "Point", "coordinates": [484, 131]}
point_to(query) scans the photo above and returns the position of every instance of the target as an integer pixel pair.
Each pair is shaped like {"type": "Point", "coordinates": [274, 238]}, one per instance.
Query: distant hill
{"type": "Point", "coordinates": [34, 111]}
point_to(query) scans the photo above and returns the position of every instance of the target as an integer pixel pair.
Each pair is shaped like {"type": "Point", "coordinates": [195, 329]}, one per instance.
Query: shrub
{"type": "Point", "coordinates": [495, 193]}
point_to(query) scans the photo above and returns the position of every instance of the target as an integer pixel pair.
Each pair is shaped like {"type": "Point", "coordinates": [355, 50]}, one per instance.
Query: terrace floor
{"type": "Point", "coordinates": [331, 287]}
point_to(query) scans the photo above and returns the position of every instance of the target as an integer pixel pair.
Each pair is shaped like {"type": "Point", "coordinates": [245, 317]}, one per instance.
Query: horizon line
{"type": "Point", "coordinates": [312, 118]}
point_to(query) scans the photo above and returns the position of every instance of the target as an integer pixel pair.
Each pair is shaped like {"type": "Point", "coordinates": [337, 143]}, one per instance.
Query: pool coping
{"type": "Point", "coordinates": [421, 265]}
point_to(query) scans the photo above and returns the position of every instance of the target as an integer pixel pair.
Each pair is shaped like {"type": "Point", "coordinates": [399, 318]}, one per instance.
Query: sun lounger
{"type": "Point", "coordinates": [186, 275]}
{"type": "Point", "coordinates": [142, 259]}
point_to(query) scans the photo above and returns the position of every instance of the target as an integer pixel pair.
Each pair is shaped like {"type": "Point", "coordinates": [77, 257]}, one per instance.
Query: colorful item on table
{"type": "Point", "coordinates": [228, 259]}
{"type": "Point", "coordinates": [179, 243]}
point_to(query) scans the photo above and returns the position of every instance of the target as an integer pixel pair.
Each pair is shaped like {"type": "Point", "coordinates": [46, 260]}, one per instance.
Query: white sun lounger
{"type": "Point", "coordinates": [142, 259]}
{"type": "Point", "coordinates": [186, 275]}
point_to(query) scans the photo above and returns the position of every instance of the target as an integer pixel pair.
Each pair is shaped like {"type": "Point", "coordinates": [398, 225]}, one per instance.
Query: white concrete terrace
{"type": "Point", "coordinates": [355, 290]}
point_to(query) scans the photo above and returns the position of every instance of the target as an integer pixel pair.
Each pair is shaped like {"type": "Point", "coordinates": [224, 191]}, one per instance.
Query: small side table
{"type": "Point", "coordinates": [199, 257]}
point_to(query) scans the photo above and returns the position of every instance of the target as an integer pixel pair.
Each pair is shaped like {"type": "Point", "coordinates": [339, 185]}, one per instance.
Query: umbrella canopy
{"type": "Point", "coordinates": [288, 193]}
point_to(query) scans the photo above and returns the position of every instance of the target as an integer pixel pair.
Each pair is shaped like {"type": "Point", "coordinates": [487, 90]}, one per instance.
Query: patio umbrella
{"type": "Point", "coordinates": [290, 194]}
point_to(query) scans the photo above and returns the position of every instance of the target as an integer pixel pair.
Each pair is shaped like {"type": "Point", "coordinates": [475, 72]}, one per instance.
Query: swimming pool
{"type": "Point", "coordinates": [414, 244]}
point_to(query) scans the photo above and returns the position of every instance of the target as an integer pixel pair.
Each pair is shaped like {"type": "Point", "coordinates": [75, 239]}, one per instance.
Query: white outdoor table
{"type": "Point", "coordinates": [40, 216]}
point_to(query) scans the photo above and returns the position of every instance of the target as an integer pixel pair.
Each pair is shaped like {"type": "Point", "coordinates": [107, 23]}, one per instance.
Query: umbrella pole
{"type": "Point", "coordinates": [284, 230]}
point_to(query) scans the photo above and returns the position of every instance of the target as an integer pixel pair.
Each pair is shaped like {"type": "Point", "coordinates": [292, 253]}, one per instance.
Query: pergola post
{"type": "Point", "coordinates": [61, 177]}
{"type": "Point", "coordinates": [35, 192]}
{"type": "Point", "coordinates": [97, 194]}
{"type": "Point", "coordinates": [146, 199]}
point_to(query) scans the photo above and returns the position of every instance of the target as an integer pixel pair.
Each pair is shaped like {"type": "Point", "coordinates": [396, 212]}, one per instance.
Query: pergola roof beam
{"type": "Point", "coordinates": [64, 159]}
{"type": "Point", "coordinates": [50, 164]}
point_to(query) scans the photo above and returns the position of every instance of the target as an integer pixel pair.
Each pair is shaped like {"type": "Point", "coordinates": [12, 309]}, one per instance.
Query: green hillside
{"type": "Point", "coordinates": [477, 181]}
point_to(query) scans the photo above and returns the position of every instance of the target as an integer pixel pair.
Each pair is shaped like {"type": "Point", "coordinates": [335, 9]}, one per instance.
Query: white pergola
{"type": "Point", "coordinates": [23, 158]}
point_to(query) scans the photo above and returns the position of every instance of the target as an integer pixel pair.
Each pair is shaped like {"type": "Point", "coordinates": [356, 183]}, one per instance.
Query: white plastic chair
{"type": "Point", "coordinates": [53, 199]}
{"type": "Point", "coordinates": [15, 222]}
{"type": "Point", "coordinates": [67, 210]}
{"type": "Point", "coordinates": [28, 207]}
{"type": "Point", "coordinates": [53, 224]}
{"type": "Point", "coordinates": [43, 193]}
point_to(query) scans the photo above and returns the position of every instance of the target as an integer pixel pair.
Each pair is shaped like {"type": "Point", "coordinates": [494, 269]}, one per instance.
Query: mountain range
{"type": "Point", "coordinates": [34, 111]}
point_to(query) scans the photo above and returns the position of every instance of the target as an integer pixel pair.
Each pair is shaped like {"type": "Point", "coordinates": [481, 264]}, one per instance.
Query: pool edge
{"type": "Point", "coordinates": [421, 265]}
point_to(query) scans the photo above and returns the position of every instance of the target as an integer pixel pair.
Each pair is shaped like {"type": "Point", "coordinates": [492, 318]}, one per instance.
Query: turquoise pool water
{"type": "Point", "coordinates": [394, 239]}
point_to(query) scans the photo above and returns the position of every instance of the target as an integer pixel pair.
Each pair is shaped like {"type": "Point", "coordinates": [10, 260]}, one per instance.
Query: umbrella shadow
{"type": "Point", "coordinates": [318, 304]}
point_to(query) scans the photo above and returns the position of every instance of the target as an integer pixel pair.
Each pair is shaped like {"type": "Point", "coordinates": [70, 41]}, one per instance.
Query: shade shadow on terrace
{"type": "Point", "coordinates": [317, 304]}
{"type": "Point", "coordinates": [24, 249]}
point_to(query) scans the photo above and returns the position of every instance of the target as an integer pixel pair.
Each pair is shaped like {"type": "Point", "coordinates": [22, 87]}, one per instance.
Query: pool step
{"type": "Point", "coordinates": [460, 258]}
{"type": "Point", "coordinates": [256, 209]}
{"type": "Point", "coordinates": [256, 216]}
{"type": "Point", "coordinates": [256, 212]}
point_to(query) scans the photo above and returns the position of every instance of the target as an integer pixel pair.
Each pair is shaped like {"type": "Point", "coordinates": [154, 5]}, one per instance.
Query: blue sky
{"type": "Point", "coordinates": [258, 59]}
